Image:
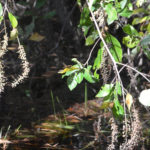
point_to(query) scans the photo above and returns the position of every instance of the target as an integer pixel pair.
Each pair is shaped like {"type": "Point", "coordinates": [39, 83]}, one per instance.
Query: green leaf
{"type": "Point", "coordinates": [140, 20]}
{"type": "Point", "coordinates": [1, 10]}
{"type": "Point", "coordinates": [117, 109]}
{"type": "Point", "coordinates": [118, 88]}
{"type": "Point", "coordinates": [148, 28]}
{"type": "Point", "coordinates": [85, 17]}
{"type": "Point", "coordinates": [79, 78]}
{"type": "Point", "coordinates": [71, 82]}
{"type": "Point", "coordinates": [1, 18]}
{"type": "Point", "coordinates": [145, 40]}
{"type": "Point", "coordinates": [115, 47]}
{"type": "Point", "coordinates": [13, 20]}
{"type": "Point", "coordinates": [139, 10]}
{"type": "Point", "coordinates": [126, 13]}
{"type": "Point", "coordinates": [72, 71]}
{"type": "Point", "coordinates": [130, 42]}
{"type": "Point", "coordinates": [105, 91]}
{"type": "Point", "coordinates": [130, 30]}
{"type": "Point", "coordinates": [88, 75]}
{"type": "Point", "coordinates": [89, 40]}
{"type": "Point", "coordinates": [147, 52]}
{"type": "Point", "coordinates": [111, 12]}
{"type": "Point", "coordinates": [123, 3]}
{"type": "Point", "coordinates": [98, 59]}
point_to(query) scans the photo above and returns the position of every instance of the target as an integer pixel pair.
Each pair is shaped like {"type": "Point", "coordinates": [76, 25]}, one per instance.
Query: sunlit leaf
{"type": "Point", "coordinates": [13, 20]}
{"type": "Point", "coordinates": [67, 69]}
{"type": "Point", "coordinates": [79, 78]}
{"type": "Point", "coordinates": [129, 101]}
{"type": "Point", "coordinates": [85, 17]}
{"type": "Point", "coordinates": [140, 20]}
{"type": "Point", "coordinates": [130, 42]}
{"type": "Point", "coordinates": [130, 30]}
{"type": "Point", "coordinates": [115, 47]}
{"type": "Point", "coordinates": [98, 59]}
{"type": "Point", "coordinates": [123, 3]}
{"type": "Point", "coordinates": [118, 110]}
{"type": "Point", "coordinates": [118, 88]}
{"type": "Point", "coordinates": [111, 12]}
{"type": "Point", "coordinates": [88, 75]}
{"type": "Point", "coordinates": [126, 13]}
{"type": "Point", "coordinates": [144, 97]}
{"type": "Point", "coordinates": [105, 90]}
{"type": "Point", "coordinates": [89, 40]}
{"type": "Point", "coordinates": [1, 10]}
{"type": "Point", "coordinates": [71, 81]}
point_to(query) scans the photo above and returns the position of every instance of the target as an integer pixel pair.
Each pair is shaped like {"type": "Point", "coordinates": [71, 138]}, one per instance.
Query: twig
{"type": "Point", "coordinates": [86, 63]}
{"type": "Point", "coordinates": [142, 74]}
{"type": "Point", "coordinates": [113, 60]}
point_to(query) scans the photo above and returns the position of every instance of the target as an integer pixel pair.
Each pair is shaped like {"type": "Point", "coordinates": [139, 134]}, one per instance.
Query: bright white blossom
{"type": "Point", "coordinates": [145, 97]}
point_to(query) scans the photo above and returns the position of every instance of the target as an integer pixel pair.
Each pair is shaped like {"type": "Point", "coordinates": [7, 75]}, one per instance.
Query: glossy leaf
{"type": "Point", "coordinates": [85, 17]}
{"type": "Point", "coordinates": [130, 42]}
{"type": "Point", "coordinates": [98, 59]}
{"type": "Point", "coordinates": [72, 68]}
{"type": "Point", "coordinates": [130, 30]}
{"type": "Point", "coordinates": [118, 110]}
{"type": "Point", "coordinates": [71, 81]}
{"type": "Point", "coordinates": [118, 88]}
{"type": "Point", "coordinates": [105, 90]}
{"type": "Point", "coordinates": [140, 20]}
{"type": "Point", "coordinates": [115, 47]}
{"type": "Point", "coordinates": [13, 20]}
{"type": "Point", "coordinates": [111, 12]}
{"type": "Point", "coordinates": [79, 78]}
{"type": "Point", "coordinates": [88, 76]}
{"type": "Point", "coordinates": [123, 3]}
{"type": "Point", "coordinates": [70, 71]}
{"type": "Point", "coordinates": [89, 40]}
{"type": "Point", "coordinates": [126, 13]}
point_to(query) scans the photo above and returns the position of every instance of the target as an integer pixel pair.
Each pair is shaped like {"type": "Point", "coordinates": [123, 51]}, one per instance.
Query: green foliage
{"type": "Point", "coordinates": [106, 91]}
{"type": "Point", "coordinates": [76, 73]}
{"type": "Point", "coordinates": [115, 47]}
{"type": "Point", "coordinates": [1, 10]}
{"type": "Point", "coordinates": [111, 12]}
{"type": "Point", "coordinates": [13, 20]}
{"type": "Point", "coordinates": [135, 38]}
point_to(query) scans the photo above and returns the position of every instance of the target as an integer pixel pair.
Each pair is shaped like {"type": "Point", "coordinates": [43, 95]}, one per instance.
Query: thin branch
{"type": "Point", "coordinates": [86, 63]}
{"type": "Point", "coordinates": [113, 60]}
{"type": "Point", "coordinates": [142, 74]}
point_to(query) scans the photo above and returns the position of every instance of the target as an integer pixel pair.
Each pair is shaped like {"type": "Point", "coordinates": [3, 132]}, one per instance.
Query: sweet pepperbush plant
{"type": "Point", "coordinates": [97, 18]}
